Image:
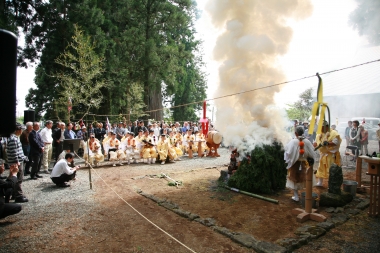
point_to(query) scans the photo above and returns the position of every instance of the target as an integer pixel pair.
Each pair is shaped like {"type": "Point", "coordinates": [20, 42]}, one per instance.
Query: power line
{"type": "Point", "coordinates": [247, 91]}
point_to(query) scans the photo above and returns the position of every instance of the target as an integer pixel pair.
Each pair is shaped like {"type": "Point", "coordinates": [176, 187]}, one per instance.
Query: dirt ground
{"type": "Point", "coordinates": [138, 224]}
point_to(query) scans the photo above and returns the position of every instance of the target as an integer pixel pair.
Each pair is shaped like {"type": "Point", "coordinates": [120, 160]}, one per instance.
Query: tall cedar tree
{"type": "Point", "coordinates": [143, 43]}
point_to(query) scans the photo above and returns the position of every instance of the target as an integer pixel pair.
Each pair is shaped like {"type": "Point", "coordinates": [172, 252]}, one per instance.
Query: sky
{"type": "Point", "coordinates": [322, 42]}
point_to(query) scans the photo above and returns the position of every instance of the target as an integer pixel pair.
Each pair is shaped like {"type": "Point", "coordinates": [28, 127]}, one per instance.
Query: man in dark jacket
{"type": "Point", "coordinates": [58, 138]}
{"type": "Point", "coordinates": [6, 187]}
{"type": "Point", "coordinates": [36, 150]}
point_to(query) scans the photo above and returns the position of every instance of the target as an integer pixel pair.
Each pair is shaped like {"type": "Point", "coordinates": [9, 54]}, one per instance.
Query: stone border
{"type": "Point", "coordinates": [246, 240]}
{"type": "Point", "coordinates": [304, 233]}
{"type": "Point", "coordinates": [307, 233]}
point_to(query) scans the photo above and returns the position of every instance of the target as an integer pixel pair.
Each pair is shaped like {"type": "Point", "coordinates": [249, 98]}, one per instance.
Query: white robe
{"type": "Point", "coordinates": [292, 155]}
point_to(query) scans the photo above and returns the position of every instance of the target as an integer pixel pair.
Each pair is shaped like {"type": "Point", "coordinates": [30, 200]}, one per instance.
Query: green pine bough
{"type": "Point", "coordinates": [264, 172]}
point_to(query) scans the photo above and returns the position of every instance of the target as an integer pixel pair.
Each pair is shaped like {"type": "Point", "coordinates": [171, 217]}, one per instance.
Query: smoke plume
{"type": "Point", "coordinates": [254, 35]}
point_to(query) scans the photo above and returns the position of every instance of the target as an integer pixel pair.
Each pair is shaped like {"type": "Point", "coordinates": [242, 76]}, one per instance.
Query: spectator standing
{"type": "Point", "coordinates": [355, 136]}
{"type": "Point", "coordinates": [16, 158]}
{"type": "Point", "coordinates": [90, 129]}
{"type": "Point", "coordinates": [6, 187]}
{"type": "Point", "coordinates": [347, 133]}
{"type": "Point", "coordinates": [58, 137]}
{"type": "Point", "coordinates": [364, 140]}
{"type": "Point", "coordinates": [120, 131]}
{"type": "Point", "coordinates": [134, 126]}
{"type": "Point", "coordinates": [99, 132]}
{"type": "Point", "coordinates": [24, 139]}
{"type": "Point", "coordinates": [69, 133]}
{"type": "Point", "coordinates": [47, 138]}
{"type": "Point", "coordinates": [36, 151]}
{"type": "Point", "coordinates": [82, 134]}
{"type": "Point", "coordinates": [62, 172]}
{"type": "Point", "coordinates": [156, 130]}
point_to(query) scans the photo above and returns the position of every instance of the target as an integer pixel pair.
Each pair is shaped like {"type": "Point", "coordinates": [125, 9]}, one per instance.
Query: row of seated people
{"type": "Point", "coordinates": [145, 147]}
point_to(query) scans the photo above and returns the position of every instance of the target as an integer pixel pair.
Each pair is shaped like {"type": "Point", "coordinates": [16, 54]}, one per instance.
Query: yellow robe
{"type": "Point", "coordinates": [147, 150]}
{"type": "Point", "coordinates": [163, 149]}
{"type": "Point", "coordinates": [174, 145]}
{"type": "Point", "coordinates": [188, 139]}
{"type": "Point", "coordinates": [329, 154]}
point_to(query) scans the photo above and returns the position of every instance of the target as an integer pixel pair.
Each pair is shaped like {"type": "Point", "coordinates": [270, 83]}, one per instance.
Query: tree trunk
{"type": "Point", "coordinates": [155, 104]}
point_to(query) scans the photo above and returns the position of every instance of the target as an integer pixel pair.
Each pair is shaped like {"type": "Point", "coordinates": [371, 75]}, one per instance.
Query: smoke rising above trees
{"type": "Point", "coordinates": [366, 20]}
{"type": "Point", "coordinates": [254, 35]}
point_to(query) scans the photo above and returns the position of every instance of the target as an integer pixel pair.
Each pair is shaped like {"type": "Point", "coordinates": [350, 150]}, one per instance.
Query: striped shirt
{"type": "Point", "coordinates": [14, 150]}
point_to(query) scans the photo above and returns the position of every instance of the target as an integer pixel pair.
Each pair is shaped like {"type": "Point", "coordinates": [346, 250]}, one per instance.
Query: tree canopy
{"type": "Point", "coordinates": [147, 45]}
{"type": "Point", "coordinates": [301, 109]}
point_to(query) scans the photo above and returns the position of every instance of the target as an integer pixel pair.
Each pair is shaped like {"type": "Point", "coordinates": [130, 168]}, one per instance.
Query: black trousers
{"type": "Point", "coordinates": [58, 150]}
{"type": "Point", "coordinates": [10, 209]}
{"type": "Point", "coordinates": [17, 190]}
{"type": "Point", "coordinates": [63, 178]}
{"type": "Point", "coordinates": [36, 166]}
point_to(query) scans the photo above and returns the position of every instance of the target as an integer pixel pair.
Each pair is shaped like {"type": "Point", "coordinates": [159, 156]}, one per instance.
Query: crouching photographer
{"type": "Point", "coordinates": [6, 188]}
{"type": "Point", "coordinates": [62, 172]}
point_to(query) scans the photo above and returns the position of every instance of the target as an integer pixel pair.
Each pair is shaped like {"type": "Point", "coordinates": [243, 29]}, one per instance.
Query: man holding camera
{"type": "Point", "coordinates": [62, 172]}
{"type": "Point", "coordinates": [6, 188]}
{"type": "Point", "coordinates": [16, 157]}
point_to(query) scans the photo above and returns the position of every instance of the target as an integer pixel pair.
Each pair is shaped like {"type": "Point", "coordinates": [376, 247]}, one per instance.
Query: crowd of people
{"type": "Point", "coordinates": [32, 148]}
{"type": "Point", "coordinates": [136, 143]}
{"type": "Point", "coordinates": [29, 151]}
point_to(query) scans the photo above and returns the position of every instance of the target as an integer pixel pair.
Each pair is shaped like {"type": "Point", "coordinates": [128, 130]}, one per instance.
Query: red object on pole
{"type": "Point", "coordinates": [204, 120]}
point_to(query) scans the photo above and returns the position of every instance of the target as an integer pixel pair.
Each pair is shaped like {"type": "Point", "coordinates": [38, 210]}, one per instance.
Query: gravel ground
{"type": "Point", "coordinates": [45, 217]}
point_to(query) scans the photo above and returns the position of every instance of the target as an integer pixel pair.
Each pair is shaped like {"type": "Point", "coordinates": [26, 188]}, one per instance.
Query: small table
{"type": "Point", "coordinates": [374, 190]}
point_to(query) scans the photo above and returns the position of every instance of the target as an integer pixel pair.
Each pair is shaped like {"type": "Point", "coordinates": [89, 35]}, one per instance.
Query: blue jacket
{"type": "Point", "coordinates": [67, 135]}
{"type": "Point", "coordinates": [35, 143]}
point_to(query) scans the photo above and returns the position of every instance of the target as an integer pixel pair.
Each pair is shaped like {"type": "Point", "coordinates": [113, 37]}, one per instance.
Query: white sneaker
{"type": "Point", "coordinates": [296, 199]}
{"type": "Point", "coordinates": [163, 162]}
{"type": "Point", "coordinates": [114, 165]}
{"type": "Point", "coordinates": [121, 164]}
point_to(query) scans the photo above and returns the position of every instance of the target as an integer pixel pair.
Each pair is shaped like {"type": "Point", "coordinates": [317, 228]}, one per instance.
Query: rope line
{"type": "Point", "coordinates": [120, 197]}
{"type": "Point", "coordinates": [242, 92]}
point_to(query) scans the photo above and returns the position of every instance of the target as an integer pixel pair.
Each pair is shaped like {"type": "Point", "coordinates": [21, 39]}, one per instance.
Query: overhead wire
{"type": "Point", "coordinates": [247, 91]}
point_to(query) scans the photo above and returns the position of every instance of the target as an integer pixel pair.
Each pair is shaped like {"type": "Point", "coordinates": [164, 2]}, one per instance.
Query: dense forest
{"type": "Point", "coordinates": [145, 50]}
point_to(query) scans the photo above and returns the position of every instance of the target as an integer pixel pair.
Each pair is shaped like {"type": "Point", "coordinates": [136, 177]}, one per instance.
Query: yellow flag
{"type": "Point", "coordinates": [319, 109]}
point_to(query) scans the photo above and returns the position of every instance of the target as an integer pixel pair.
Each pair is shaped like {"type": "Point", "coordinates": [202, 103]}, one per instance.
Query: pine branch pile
{"type": "Point", "coordinates": [264, 172]}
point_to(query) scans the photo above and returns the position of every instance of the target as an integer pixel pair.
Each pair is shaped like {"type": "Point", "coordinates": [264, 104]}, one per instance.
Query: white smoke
{"type": "Point", "coordinates": [254, 35]}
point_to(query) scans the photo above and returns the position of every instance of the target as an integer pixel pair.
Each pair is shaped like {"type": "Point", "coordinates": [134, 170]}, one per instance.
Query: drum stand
{"type": "Point", "coordinates": [212, 147]}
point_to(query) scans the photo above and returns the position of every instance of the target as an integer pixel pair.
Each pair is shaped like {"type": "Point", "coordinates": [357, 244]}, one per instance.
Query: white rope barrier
{"type": "Point", "coordinates": [120, 197]}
